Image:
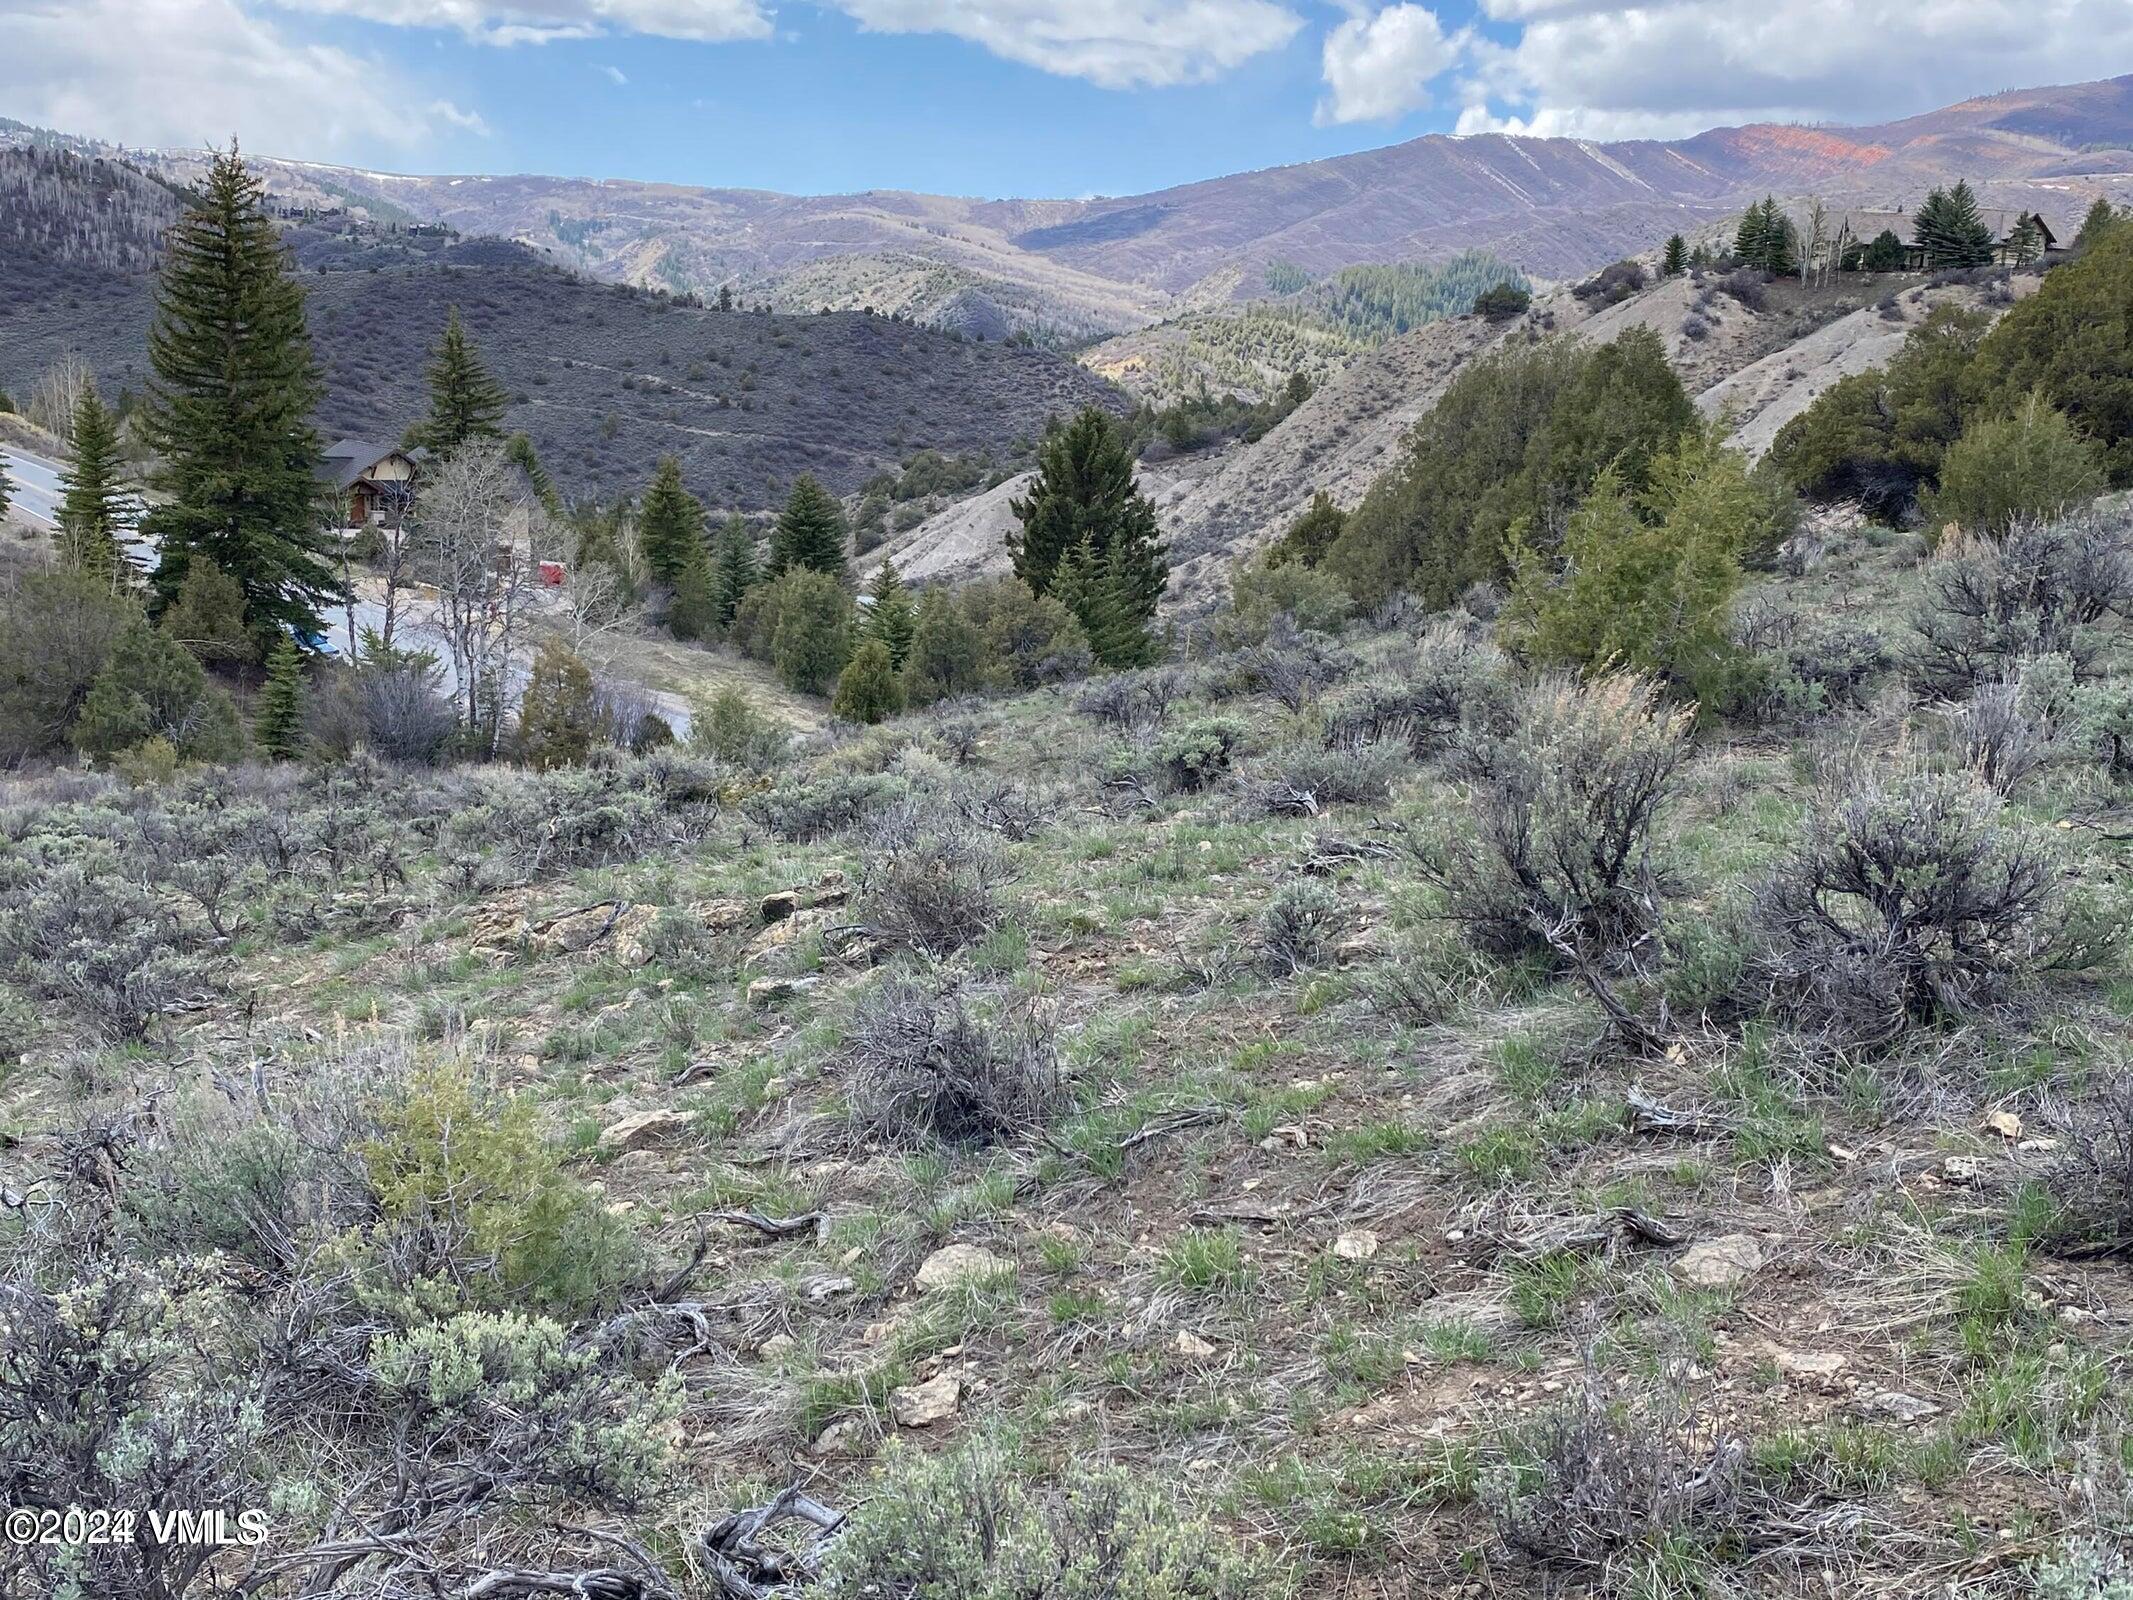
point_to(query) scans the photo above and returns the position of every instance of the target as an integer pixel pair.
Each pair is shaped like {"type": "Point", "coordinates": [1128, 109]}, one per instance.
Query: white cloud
{"type": "Point", "coordinates": [1662, 68]}
{"type": "Point", "coordinates": [1380, 67]}
{"type": "Point", "coordinates": [615, 75]}
{"type": "Point", "coordinates": [191, 72]}
{"type": "Point", "coordinates": [1118, 44]}
{"type": "Point", "coordinates": [511, 22]}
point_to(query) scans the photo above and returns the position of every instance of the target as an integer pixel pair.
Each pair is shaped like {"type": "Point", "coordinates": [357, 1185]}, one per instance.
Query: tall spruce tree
{"type": "Point", "coordinates": [733, 570]}
{"type": "Point", "coordinates": [1676, 260]}
{"type": "Point", "coordinates": [810, 531]}
{"type": "Point", "coordinates": [1084, 493]}
{"type": "Point", "coordinates": [670, 524]}
{"type": "Point", "coordinates": [229, 409]}
{"type": "Point", "coordinates": [1099, 590]}
{"type": "Point", "coordinates": [891, 618]}
{"type": "Point", "coordinates": [693, 612]}
{"type": "Point", "coordinates": [1949, 229]}
{"type": "Point", "coordinates": [466, 403]}
{"type": "Point", "coordinates": [1884, 253]}
{"type": "Point", "coordinates": [278, 725]}
{"type": "Point", "coordinates": [94, 512]}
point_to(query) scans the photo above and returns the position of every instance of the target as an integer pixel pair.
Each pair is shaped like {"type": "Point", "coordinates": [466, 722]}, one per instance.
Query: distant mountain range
{"type": "Point", "coordinates": [604, 377]}
{"type": "Point", "coordinates": [1080, 268]}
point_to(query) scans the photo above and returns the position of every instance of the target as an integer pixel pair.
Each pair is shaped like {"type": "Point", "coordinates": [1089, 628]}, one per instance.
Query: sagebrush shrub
{"type": "Point", "coordinates": [1911, 897]}
{"type": "Point", "coordinates": [99, 942]}
{"type": "Point", "coordinates": [930, 885]}
{"type": "Point", "coordinates": [2042, 589]}
{"type": "Point", "coordinates": [806, 809]}
{"type": "Point", "coordinates": [1558, 856]}
{"type": "Point", "coordinates": [970, 1523]}
{"type": "Point", "coordinates": [922, 1068]}
{"type": "Point", "coordinates": [1304, 779]}
{"type": "Point", "coordinates": [1297, 925]}
{"type": "Point", "coordinates": [1456, 681]}
{"type": "Point", "coordinates": [1612, 1487]}
{"type": "Point", "coordinates": [2091, 1179]}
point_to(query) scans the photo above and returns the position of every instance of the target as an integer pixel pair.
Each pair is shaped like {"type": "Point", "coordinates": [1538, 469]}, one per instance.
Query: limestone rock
{"type": "Point", "coordinates": [1721, 1263]}
{"type": "Point", "coordinates": [921, 1405]}
{"type": "Point", "coordinates": [774, 991]}
{"type": "Point", "coordinates": [1359, 1244]}
{"type": "Point", "coordinates": [643, 1130]}
{"type": "Point", "coordinates": [1192, 1346]}
{"type": "Point", "coordinates": [954, 1265]}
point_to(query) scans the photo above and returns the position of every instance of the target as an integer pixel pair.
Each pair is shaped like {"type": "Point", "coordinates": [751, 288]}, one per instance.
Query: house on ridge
{"type": "Point", "coordinates": [371, 482]}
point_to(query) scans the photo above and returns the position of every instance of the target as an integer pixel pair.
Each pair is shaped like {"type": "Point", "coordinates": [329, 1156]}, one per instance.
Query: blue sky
{"type": "Point", "coordinates": [994, 97]}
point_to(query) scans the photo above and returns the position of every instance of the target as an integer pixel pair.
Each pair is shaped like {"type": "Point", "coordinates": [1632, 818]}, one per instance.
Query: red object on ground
{"type": "Point", "coordinates": [551, 574]}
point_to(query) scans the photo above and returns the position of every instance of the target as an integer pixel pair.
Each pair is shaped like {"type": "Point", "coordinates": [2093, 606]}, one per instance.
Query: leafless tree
{"type": "Point", "coordinates": [473, 534]}
{"type": "Point", "coordinates": [53, 400]}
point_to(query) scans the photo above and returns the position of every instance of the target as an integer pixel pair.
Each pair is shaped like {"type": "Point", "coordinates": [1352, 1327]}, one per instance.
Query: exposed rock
{"type": "Point", "coordinates": [776, 1345]}
{"type": "Point", "coordinates": [1359, 1244]}
{"type": "Point", "coordinates": [786, 931]}
{"type": "Point", "coordinates": [644, 1129]}
{"type": "Point", "coordinates": [772, 991]}
{"type": "Point", "coordinates": [954, 1265]}
{"type": "Point", "coordinates": [1192, 1346]}
{"type": "Point", "coordinates": [1821, 1368]}
{"type": "Point", "coordinates": [845, 1437]}
{"type": "Point", "coordinates": [921, 1405]}
{"type": "Point", "coordinates": [1720, 1263]}
{"type": "Point", "coordinates": [2006, 1124]}
{"type": "Point", "coordinates": [1903, 1407]}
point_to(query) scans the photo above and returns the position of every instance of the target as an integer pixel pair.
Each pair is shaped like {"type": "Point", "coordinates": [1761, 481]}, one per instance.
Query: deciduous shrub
{"type": "Point", "coordinates": [1911, 897]}
{"type": "Point", "coordinates": [920, 1068]}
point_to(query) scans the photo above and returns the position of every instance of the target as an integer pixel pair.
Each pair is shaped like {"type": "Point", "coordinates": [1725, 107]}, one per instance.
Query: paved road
{"type": "Point", "coordinates": [36, 483]}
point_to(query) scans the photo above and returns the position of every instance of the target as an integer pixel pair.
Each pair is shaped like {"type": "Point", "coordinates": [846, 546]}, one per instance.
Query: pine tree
{"type": "Point", "coordinates": [1084, 493]}
{"type": "Point", "coordinates": [93, 509]}
{"type": "Point", "coordinates": [810, 531]}
{"type": "Point", "coordinates": [670, 525]}
{"type": "Point", "coordinates": [557, 715]}
{"type": "Point", "coordinates": [278, 726]}
{"type": "Point", "coordinates": [892, 619]}
{"type": "Point", "coordinates": [2025, 242]}
{"type": "Point", "coordinates": [1883, 253]}
{"type": "Point", "coordinates": [466, 403]}
{"type": "Point", "coordinates": [868, 689]}
{"type": "Point", "coordinates": [1950, 231]}
{"type": "Point", "coordinates": [1676, 260]}
{"type": "Point", "coordinates": [1099, 591]}
{"type": "Point", "coordinates": [230, 407]}
{"type": "Point", "coordinates": [733, 570]}
{"type": "Point", "coordinates": [519, 449]}
{"type": "Point", "coordinates": [2102, 218]}
{"type": "Point", "coordinates": [693, 612]}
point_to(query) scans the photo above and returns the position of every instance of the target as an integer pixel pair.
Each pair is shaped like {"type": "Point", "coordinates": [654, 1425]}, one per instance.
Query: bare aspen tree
{"type": "Point", "coordinates": [474, 532]}
{"type": "Point", "coordinates": [57, 394]}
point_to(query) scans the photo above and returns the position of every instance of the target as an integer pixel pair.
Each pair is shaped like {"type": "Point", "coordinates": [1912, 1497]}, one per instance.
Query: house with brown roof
{"type": "Point", "coordinates": [372, 483]}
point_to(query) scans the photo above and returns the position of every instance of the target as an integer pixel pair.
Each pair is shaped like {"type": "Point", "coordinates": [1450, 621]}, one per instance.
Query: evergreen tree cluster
{"type": "Point", "coordinates": [1950, 231]}
{"type": "Point", "coordinates": [1767, 239]}
{"type": "Point", "coordinates": [1517, 440]}
{"type": "Point", "coordinates": [1089, 537]}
